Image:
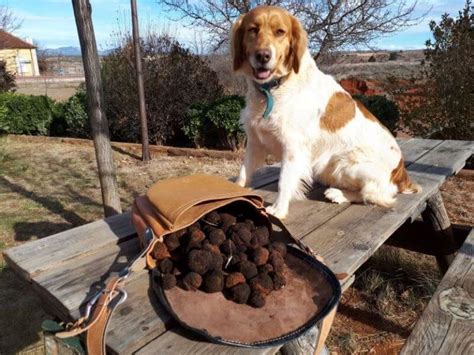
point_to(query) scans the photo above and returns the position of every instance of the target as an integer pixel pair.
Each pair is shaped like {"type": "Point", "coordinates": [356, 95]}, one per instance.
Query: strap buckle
{"type": "Point", "coordinates": [120, 292]}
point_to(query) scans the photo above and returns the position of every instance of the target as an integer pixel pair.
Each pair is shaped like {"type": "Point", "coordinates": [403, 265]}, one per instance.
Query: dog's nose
{"type": "Point", "coordinates": [263, 55]}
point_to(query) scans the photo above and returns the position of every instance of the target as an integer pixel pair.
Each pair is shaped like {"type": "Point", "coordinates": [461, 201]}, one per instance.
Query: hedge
{"type": "Point", "coordinates": [25, 114]}
{"type": "Point", "coordinates": [216, 124]}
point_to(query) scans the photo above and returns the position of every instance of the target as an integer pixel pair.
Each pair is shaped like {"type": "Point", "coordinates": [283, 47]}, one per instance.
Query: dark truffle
{"type": "Point", "coordinates": [213, 218]}
{"type": "Point", "coordinates": [166, 266]}
{"type": "Point", "coordinates": [241, 236]}
{"type": "Point", "coordinates": [181, 233]}
{"type": "Point", "coordinates": [257, 300]}
{"type": "Point", "coordinates": [240, 293]}
{"type": "Point", "coordinates": [160, 251]}
{"type": "Point", "coordinates": [250, 224]}
{"type": "Point", "coordinates": [199, 261]}
{"type": "Point", "coordinates": [168, 281]}
{"type": "Point", "coordinates": [206, 245]}
{"type": "Point", "coordinates": [277, 261]}
{"type": "Point", "coordinates": [240, 225]}
{"type": "Point", "coordinates": [172, 241]}
{"type": "Point", "coordinates": [262, 235]}
{"type": "Point", "coordinates": [265, 269]}
{"type": "Point", "coordinates": [207, 228]}
{"type": "Point", "coordinates": [193, 227]}
{"type": "Point", "coordinates": [217, 236]}
{"type": "Point", "coordinates": [243, 256]}
{"type": "Point", "coordinates": [234, 279]}
{"type": "Point", "coordinates": [195, 240]}
{"type": "Point", "coordinates": [192, 281]}
{"type": "Point", "coordinates": [227, 220]}
{"type": "Point", "coordinates": [260, 256]}
{"type": "Point", "coordinates": [241, 249]}
{"type": "Point", "coordinates": [279, 281]}
{"type": "Point", "coordinates": [213, 282]}
{"type": "Point", "coordinates": [217, 261]}
{"type": "Point", "coordinates": [248, 268]}
{"type": "Point", "coordinates": [262, 284]}
{"type": "Point", "coordinates": [228, 247]}
{"type": "Point", "coordinates": [279, 247]}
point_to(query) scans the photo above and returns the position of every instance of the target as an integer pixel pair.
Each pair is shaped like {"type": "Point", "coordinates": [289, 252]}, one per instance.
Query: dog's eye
{"type": "Point", "coordinates": [253, 30]}
{"type": "Point", "coordinates": [280, 32]}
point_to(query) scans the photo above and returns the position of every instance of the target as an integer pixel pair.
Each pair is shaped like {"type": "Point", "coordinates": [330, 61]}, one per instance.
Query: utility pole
{"type": "Point", "coordinates": [95, 108]}
{"type": "Point", "coordinates": [141, 91]}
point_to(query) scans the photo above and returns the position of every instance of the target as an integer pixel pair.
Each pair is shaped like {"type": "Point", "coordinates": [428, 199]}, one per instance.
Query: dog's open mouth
{"type": "Point", "coordinates": [262, 73]}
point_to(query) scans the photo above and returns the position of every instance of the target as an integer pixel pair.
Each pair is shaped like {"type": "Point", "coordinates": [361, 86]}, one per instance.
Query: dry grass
{"type": "Point", "coordinates": [379, 311]}
{"type": "Point", "coordinates": [58, 91]}
{"type": "Point", "coordinates": [46, 188]}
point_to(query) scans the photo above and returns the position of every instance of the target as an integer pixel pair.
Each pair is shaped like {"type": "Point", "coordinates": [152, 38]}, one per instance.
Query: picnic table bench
{"type": "Point", "coordinates": [447, 324]}
{"type": "Point", "coordinates": [66, 269]}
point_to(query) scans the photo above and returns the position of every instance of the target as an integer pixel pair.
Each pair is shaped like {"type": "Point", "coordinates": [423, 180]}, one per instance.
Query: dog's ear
{"type": "Point", "coordinates": [299, 43]}
{"type": "Point", "coordinates": [237, 37]}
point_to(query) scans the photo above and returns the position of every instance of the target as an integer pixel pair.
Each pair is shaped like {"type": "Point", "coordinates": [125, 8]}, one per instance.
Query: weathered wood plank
{"type": "Point", "coordinates": [306, 215]}
{"type": "Point", "coordinates": [138, 320]}
{"type": "Point", "coordinates": [445, 160]}
{"type": "Point", "coordinates": [53, 252]}
{"type": "Point", "coordinates": [415, 148]}
{"type": "Point", "coordinates": [435, 215]}
{"type": "Point", "coordinates": [447, 324]}
{"type": "Point", "coordinates": [67, 287]}
{"type": "Point", "coordinates": [178, 341]}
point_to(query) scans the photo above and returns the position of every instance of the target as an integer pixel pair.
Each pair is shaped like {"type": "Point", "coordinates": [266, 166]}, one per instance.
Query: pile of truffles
{"type": "Point", "coordinates": [223, 252]}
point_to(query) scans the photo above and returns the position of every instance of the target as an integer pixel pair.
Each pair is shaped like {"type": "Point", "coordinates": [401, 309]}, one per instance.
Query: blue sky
{"type": "Point", "coordinates": [51, 22]}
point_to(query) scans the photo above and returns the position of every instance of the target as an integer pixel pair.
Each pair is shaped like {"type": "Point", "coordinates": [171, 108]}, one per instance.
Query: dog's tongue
{"type": "Point", "coordinates": [263, 73]}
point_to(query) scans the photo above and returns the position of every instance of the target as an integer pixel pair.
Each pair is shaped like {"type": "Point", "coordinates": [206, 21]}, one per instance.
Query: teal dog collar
{"type": "Point", "coordinates": [265, 89]}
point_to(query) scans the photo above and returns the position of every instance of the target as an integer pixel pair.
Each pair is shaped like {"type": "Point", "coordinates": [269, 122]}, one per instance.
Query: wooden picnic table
{"type": "Point", "coordinates": [66, 269]}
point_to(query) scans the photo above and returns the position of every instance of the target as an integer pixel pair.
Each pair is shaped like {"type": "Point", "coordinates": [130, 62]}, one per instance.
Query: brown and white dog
{"type": "Point", "coordinates": [315, 127]}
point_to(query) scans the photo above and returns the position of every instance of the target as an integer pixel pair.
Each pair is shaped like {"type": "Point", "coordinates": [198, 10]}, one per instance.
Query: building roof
{"type": "Point", "coordinates": [8, 41]}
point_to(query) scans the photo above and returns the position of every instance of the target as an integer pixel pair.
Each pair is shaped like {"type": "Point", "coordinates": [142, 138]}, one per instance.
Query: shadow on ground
{"type": "Point", "coordinates": [21, 324]}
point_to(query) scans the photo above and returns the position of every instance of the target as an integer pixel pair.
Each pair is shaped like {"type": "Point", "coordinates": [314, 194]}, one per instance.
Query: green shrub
{"type": "Point", "coordinates": [216, 124]}
{"type": "Point", "coordinates": [7, 79]}
{"type": "Point", "coordinates": [70, 117]}
{"type": "Point", "coordinates": [443, 106]}
{"type": "Point", "coordinates": [25, 114]}
{"type": "Point", "coordinates": [384, 109]}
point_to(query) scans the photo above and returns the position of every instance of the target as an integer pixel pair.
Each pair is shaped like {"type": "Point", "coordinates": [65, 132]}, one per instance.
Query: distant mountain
{"type": "Point", "coordinates": [70, 51]}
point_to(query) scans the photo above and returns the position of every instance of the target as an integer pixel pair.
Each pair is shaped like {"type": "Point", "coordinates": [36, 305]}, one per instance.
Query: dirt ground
{"type": "Point", "coordinates": [49, 187]}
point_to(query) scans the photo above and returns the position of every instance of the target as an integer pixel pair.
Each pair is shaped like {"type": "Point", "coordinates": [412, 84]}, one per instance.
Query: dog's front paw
{"type": "Point", "coordinates": [335, 195]}
{"type": "Point", "coordinates": [278, 211]}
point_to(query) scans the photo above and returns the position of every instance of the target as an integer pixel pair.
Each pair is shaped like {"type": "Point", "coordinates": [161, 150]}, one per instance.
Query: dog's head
{"type": "Point", "coordinates": [267, 43]}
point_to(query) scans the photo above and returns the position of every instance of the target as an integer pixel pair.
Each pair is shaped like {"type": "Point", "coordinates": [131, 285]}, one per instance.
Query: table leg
{"type": "Point", "coordinates": [436, 217]}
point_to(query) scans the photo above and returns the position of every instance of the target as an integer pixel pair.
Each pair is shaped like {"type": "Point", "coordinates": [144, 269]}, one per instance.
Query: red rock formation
{"type": "Point", "coordinates": [359, 86]}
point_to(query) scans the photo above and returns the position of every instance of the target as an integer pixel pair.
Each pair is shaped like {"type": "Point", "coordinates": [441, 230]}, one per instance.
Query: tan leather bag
{"type": "Point", "coordinates": [174, 204]}
{"type": "Point", "coordinates": [168, 206]}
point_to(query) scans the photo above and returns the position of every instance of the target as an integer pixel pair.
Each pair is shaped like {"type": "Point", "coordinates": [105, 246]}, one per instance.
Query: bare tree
{"type": "Point", "coordinates": [331, 24]}
{"type": "Point", "coordinates": [95, 107]}
{"type": "Point", "coordinates": [8, 21]}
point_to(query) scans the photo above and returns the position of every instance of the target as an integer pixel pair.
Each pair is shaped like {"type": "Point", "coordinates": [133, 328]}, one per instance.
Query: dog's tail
{"type": "Point", "coordinates": [401, 179]}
